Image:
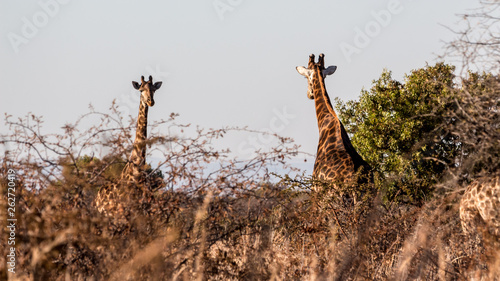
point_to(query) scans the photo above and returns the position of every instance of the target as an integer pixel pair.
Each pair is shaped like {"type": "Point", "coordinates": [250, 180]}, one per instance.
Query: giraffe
{"type": "Point", "coordinates": [336, 158]}
{"type": "Point", "coordinates": [133, 172]}
{"type": "Point", "coordinates": [480, 206]}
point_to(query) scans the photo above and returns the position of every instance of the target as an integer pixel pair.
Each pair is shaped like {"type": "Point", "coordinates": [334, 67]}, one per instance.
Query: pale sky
{"type": "Point", "coordinates": [222, 62]}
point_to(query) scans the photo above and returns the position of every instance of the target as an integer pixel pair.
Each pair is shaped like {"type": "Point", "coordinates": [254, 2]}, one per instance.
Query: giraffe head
{"type": "Point", "coordinates": [315, 71]}
{"type": "Point", "coordinates": [147, 89]}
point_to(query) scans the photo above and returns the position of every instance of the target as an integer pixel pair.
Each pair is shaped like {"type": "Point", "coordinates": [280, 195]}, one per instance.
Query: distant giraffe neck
{"type": "Point", "coordinates": [134, 169]}
{"type": "Point", "coordinates": [112, 199]}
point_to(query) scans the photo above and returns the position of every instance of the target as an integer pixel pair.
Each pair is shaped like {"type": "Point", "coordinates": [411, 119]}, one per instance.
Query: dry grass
{"type": "Point", "coordinates": [272, 234]}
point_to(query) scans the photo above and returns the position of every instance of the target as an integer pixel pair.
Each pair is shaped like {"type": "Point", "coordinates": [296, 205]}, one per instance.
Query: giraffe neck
{"type": "Point", "coordinates": [137, 159]}
{"type": "Point", "coordinates": [334, 147]}
{"type": "Point", "coordinates": [329, 125]}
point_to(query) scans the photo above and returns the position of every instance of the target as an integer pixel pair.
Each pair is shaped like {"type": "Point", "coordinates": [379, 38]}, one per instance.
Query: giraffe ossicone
{"type": "Point", "coordinates": [336, 159]}
{"type": "Point", "coordinates": [133, 174]}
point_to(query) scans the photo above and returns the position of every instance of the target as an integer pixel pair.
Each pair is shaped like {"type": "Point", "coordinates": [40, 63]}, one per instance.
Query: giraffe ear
{"type": "Point", "coordinates": [157, 85]}
{"type": "Point", "coordinates": [303, 71]}
{"type": "Point", "coordinates": [329, 71]}
{"type": "Point", "coordinates": [136, 85]}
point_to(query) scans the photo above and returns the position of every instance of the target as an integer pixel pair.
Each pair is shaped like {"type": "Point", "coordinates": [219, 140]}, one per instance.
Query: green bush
{"type": "Point", "coordinates": [397, 128]}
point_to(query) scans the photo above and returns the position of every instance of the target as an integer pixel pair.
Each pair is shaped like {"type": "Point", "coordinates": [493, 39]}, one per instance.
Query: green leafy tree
{"type": "Point", "coordinates": [397, 128]}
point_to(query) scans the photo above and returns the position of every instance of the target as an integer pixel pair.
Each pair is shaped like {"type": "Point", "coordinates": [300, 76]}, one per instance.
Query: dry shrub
{"type": "Point", "coordinates": [172, 221]}
{"type": "Point", "coordinates": [191, 221]}
{"type": "Point", "coordinates": [205, 215]}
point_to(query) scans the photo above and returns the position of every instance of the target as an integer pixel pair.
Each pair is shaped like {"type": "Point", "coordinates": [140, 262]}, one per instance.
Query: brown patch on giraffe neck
{"type": "Point", "coordinates": [141, 132]}
{"type": "Point", "coordinates": [322, 100]}
{"type": "Point", "coordinates": [325, 113]}
{"type": "Point", "coordinates": [137, 158]}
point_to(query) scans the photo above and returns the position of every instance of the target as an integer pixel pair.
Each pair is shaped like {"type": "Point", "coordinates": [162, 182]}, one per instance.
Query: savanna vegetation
{"type": "Point", "coordinates": [207, 215]}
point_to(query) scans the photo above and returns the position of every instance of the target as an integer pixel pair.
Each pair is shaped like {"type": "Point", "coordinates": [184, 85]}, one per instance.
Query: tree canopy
{"type": "Point", "coordinates": [404, 129]}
